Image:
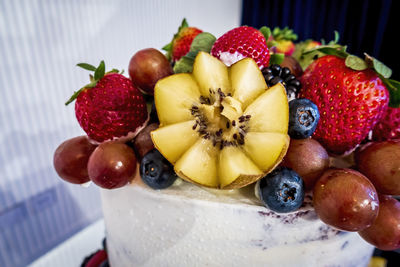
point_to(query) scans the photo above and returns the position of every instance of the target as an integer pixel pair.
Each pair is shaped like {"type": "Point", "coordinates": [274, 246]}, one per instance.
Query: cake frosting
{"type": "Point", "coordinates": [188, 225]}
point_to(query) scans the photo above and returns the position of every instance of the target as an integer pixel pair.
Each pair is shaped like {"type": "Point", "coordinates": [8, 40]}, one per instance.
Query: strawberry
{"type": "Point", "coordinates": [281, 40]}
{"type": "Point", "coordinates": [109, 107]}
{"type": "Point", "coordinates": [242, 42]}
{"type": "Point", "coordinates": [350, 102]}
{"type": "Point", "coordinates": [180, 44]}
{"type": "Point", "coordinates": [389, 126]}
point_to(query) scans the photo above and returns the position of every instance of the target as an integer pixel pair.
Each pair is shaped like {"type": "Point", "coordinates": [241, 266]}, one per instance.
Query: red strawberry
{"type": "Point", "coordinates": [350, 102]}
{"type": "Point", "coordinates": [96, 259]}
{"type": "Point", "coordinates": [242, 42]}
{"type": "Point", "coordinates": [180, 44]}
{"type": "Point", "coordinates": [389, 126]}
{"type": "Point", "coordinates": [109, 107]}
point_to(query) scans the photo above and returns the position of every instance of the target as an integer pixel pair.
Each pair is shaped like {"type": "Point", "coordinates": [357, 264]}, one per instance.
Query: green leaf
{"type": "Point", "coordinates": [202, 42]}
{"type": "Point", "coordinates": [100, 71]}
{"type": "Point", "coordinates": [336, 50]}
{"type": "Point", "coordinates": [75, 95]}
{"type": "Point", "coordinates": [184, 65]}
{"type": "Point", "coordinates": [276, 58]}
{"type": "Point", "coordinates": [86, 66]}
{"type": "Point", "coordinates": [266, 31]}
{"type": "Point", "coordinates": [381, 68]}
{"type": "Point", "coordinates": [394, 91]}
{"type": "Point", "coordinates": [284, 34]}
{"type": "Point", "coordinates": [355, 63]}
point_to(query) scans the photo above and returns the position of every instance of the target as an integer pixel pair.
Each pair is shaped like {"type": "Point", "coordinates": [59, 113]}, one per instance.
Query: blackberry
{"type": "Point", "coordinates": [275, 74]}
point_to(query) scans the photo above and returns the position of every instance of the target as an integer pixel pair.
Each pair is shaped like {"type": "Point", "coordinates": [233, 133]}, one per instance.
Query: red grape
{"type": "Point", "coordinates": [146, 67]}
{"type": "Point", "coordinates": [384, 233]}
{"type": "Point", "coordinates": [380, 162]}
{"type": "Point", "coordinates": [71, 158]}
{"type": "Point", "coordinates": [143, 143]}
{"type": "Point", "coordinates": [112, 165]}
{"type": "Point", "coordinates": [308, 158]}
{"type": "Point", "coordinates": [345, 199]}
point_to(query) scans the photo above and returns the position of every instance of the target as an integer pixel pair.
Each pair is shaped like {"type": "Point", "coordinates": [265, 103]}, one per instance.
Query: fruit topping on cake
{"type": "Point", "coordinates": [156, 171]}
{"type": "Point", "coordinates": [71, 158]}
{"type": "Point", "coordinates": [221, 127]}
{"type": "Point", "coordinates": [303, 118]}
{"type": "Point", "coordinates": [276, 74]}
{"type": "Point", "coordinates": [384, 233]}
{"type": "Point", "coordinates": [308, 158]}
{"type": "Point", "coordinates": [282, 190]}
{"type": "Point", "coordinates": [388, 127]}
{"type": "Point", "coordinates": [146, 67]}
{"type": "Point", "coordinates": [242, 42]}
{"type": "Point", "coordinates": [112, 165]}
{"type": "Point", "coordinates": [380, 162]}
{"type": "Point", "coordinates": [181, 42]}
{"type": "Point", "coordinates": [109, 107]}
{"type": "Point", "coordinates": [281, 41]}
{"type": "Point", "coordinates": [350, 102]}
{"type": "Point", "coordinates": [345, 199]}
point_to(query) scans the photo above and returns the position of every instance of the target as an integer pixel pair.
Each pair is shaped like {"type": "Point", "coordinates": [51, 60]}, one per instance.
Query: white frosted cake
{"type": "Point", "coordinates": [187, 225]}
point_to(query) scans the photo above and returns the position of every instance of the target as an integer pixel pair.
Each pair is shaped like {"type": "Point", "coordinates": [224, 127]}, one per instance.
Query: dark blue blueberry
{"type": "Point", "coordinates": [156, 171]}
{"type": "Point", "coordinates": [282, 190]}
{"type": "Point", "coordinates": [303, 118]}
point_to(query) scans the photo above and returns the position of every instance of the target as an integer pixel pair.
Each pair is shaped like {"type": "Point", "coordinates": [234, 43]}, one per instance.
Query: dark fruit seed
{"type": "Point", "coordinates": [276, 80]}
{"type": "Point", "coordinates": [282, 190]}
{"type": "Point", "coordinates": [156, 171]}
{"type": "Point", "coordinates": [303, 118]}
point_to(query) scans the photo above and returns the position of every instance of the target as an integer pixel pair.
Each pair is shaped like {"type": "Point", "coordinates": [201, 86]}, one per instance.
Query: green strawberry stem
{"type": "Point", "coordinates": [99, 73]}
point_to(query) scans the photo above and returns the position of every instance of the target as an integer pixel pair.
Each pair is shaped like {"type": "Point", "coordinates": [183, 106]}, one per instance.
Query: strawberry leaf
{"type": "Point", "coordinates": [355, 63]}
{"type": "Point", "coordinates": [202, 42]}
{"type": "Point", "coordinates": [86, 66]}
{"type": "Point", "coordinates": [394, 91]}
{"type": "Point", "coordinates": [284, 34]}
{"type": "Point", "coordinates": [381, 68]}
{"type": "Point", "coordinates": [76, 93]}
{"type": "Point", "coordinates": [276, 58]}
{"type": "Point", "coordinates": [335, 50]}
{"type": "Point", "coordinates": [100, 71]}
{"type": "Point", "coordinates": [266, 31]}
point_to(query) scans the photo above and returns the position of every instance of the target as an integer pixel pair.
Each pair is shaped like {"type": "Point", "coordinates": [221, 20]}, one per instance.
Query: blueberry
{"type": "Point", "coordinates": [282, 190]}
{"type": "Point", "coordinates": [156, 171]}
{"type": "Point", "coordinates": [303, 118]}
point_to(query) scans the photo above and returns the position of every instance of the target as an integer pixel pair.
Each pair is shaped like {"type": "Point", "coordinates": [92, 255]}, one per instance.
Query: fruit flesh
{"type": "Point", "coordinates": [208, 120]}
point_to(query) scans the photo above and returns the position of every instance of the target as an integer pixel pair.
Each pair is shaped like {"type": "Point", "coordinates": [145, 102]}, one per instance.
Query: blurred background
{"type": "Point", "coordinates": [42, 40]}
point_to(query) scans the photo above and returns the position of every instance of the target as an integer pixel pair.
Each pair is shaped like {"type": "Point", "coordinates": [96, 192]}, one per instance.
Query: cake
{"type": "Point", "coordinates": [187, 225]}
{"type": "Point", "coordinates": [240, 157]}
